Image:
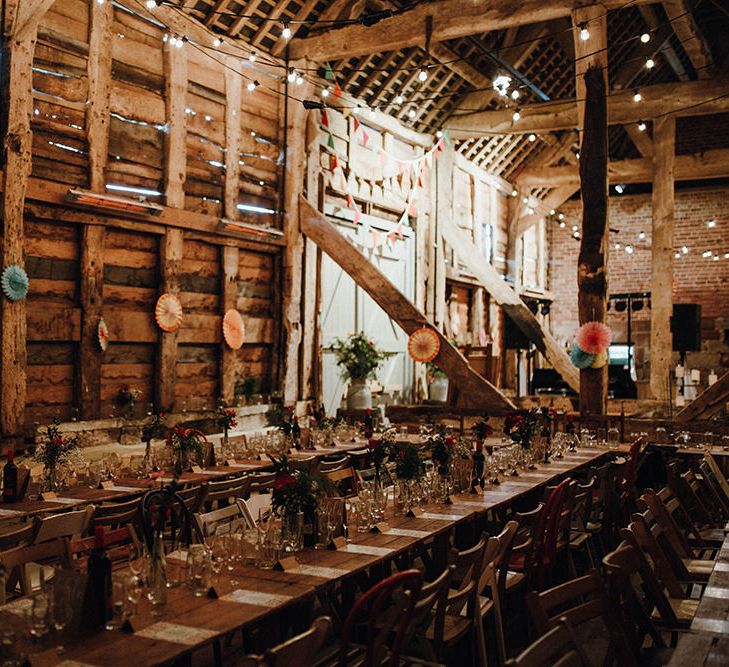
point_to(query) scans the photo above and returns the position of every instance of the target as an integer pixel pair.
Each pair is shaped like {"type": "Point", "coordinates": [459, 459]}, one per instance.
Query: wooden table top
{"type": "Point", "coordinates": [248, 595]}
{"type": "Point", "coordinates": [708, 641]}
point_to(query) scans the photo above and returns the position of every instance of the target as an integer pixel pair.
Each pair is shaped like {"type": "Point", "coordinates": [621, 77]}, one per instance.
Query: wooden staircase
{"type": "Point", "coordinates": [708, 403]}
{"type": "Point", "coordinates": [474, 390]}
{"type": "Point", "coordinates": [512, 304]}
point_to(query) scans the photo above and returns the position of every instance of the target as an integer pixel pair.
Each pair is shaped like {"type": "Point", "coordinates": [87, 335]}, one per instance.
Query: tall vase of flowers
{"type": "Point", "coordinates": [380, 449]}
{"type": "Point", "coordinates": [295, 499]}
{"type": "Point", "coordinates": [226, 420]}
{"type": "Point", "coordinates": [481, 430]}
{"type": "Point", "coordinates": [126, 399]}
{"type": "Point", "coordinates": [409, 469]}
{"type": "Point", "coordinates": [522, 425]}
{"type": "Point", "coordinates": [187, 446]}
{"type": "Point", "coordinates": [55, 452]}
{"type": "Point", "coordinates": [359, 359]}
{"type": "Point", "coordinates": [151, 430]}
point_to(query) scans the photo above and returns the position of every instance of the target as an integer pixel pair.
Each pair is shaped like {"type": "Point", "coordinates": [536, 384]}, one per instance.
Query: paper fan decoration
{"type": "Point", "coordinates": [168, 313]}
{"type": "Point", "coordinates": [600, 360]}
{"type": "Point", "coordinates": [234, 330]}
{"type": "Point", "coordinates": [15, 282]}
{"type": "Point", "coordinates": [593, 337]}
{"type": "Point", "coordinates": [580, 358]}
{"type": "Point", "coordinates": [102, 331]}
{"type": "Point", "coordinates": [423, 345]}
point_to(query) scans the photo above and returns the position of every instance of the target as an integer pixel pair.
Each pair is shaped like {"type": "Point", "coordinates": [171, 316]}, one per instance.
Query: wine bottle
{"type": "Point", "coordinates": [99, 571]}
{"type": "Point", "coordinates": [368, 424]}
{"type": "Point", "coordinates": [296, 433]}
{"type": "Point", "coordinates": [10, 479]}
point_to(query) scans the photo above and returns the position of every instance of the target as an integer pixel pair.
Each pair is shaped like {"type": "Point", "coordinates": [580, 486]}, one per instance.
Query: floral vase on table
{"type": "Point", "coordinates": [151, 430]}
{"type": "Point", "coordinates": [56, 452]}
{"type": "Point", "coordinates": [359, 359]}
{"type": "Point", "coordinates": [226, 420]}
{"type": "Point", "coordinates": [295, 498]}
{"type": "Point", "coordinates": [380, 449]}
{"type": "Point", "coordinates": [409, 469]}
{"type": "Point", "coordinates": [187, 446]}
{"type": "Point", "coordinates": [481, 430]}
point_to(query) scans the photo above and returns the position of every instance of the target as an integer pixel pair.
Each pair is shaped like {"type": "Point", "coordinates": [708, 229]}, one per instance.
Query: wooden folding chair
{"type": "Point", "coordinates": [226, 519]}
{"type": "Point", "coordinates": [224, 493]}
{"type": "Point", "coordinates": [120, 544]}
{"type": "Point", "coordinates": [557, 648]}
{"type": "Point", "coordinates": [301, 650]}
{"type": "Point", "coordinates": [343, 481]}
{"type": "Point", "coordinates": [48, 552]}
{"type": "Point", "coordinates": [66, 524]}
{"type": "Point", "coordinates": [115, 515]}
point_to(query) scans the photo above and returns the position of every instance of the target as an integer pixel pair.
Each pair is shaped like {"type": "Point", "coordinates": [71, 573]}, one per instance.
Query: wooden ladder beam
{"type": "Point", "coordinates": [473, 388]}
{"type": "Point", "coordinates": [708, 402]}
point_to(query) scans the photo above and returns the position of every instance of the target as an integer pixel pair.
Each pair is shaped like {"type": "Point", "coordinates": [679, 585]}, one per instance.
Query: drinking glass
{"type": "Point", "coordinates": [118, 601]}
{"type": "Point", "coordinates": [198, 561]}
{"type": "Point", "coordinates": [134, 594]}
{"type": "Point", "coordinates": [62, 616]}
{"type": "Point", "coordinates": [38, 616]}
{"type": "Point", "coordinates": [270, 548]}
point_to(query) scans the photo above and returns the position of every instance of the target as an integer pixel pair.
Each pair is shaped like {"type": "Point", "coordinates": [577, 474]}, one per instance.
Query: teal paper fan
{"type": "Point", "coordinates": [15, 282]}
{"type": "Point", "coordinates": [580, 358]}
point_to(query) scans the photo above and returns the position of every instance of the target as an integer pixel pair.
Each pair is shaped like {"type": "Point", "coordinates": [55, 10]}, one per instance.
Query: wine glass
{"type": "Point", "coordinates": [134, 590]}
{"type": "Point", "coordinates": [62, 616]}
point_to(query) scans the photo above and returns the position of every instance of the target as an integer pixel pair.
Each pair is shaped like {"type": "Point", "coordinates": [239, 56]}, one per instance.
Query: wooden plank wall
{"type": "Point", "coordinates": [67, 376]}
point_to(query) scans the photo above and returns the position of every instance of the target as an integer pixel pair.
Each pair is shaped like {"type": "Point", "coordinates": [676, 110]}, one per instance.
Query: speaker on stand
{"type": "Point", "coordinates": [686, 330]}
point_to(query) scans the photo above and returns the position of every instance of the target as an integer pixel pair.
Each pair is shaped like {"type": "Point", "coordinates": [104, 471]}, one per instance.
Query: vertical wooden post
{"type": "Point", "coordinates": [294, 118]}
{"type": "Point", "coordinates": [229, 298]}
{"type": "Point", "coordinates": [92, 296]}
{"type": "Point", "coordinates": [17, 147]}
{"type": "Point", "coordinates": [591, 87]}
{"type": "Point", "coordinates": [99, 77]}
{"type": "Point", "coordinates": [170, 258]}
{"type": "Point", "coordinates": [175, 149]}
{"type": "Point", "coordinates": [232, 141]}
{"type": "Point", "coordinates": [661, 348]}
{"type": "Point", "coordinates": [444, 167]}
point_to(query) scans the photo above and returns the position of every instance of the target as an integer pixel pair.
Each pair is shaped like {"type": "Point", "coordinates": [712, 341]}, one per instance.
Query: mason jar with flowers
{"type": "Point", "coordinates": [437, 383]}
{"type": "Point", "coordinates": [380, 449]}
{"type": "Point", "coordinates": [56, 452]}
{"type": "Point", "coordinates": [187, 445]}
{"type": "Point", "coordinates": [295, 499]}
{"type": "Point", "coordinates": [227, 419]}
{"type": "Point", "coordinates": [522, 425]}
{"type": "Point", "coordinates": [152, 429]}
{"type": "Point", "coordinates": [359, 359]}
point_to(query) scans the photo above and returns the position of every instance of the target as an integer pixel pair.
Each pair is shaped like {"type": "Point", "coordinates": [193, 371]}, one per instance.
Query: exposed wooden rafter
{"type": "Point", "coordinates": [690, 36]}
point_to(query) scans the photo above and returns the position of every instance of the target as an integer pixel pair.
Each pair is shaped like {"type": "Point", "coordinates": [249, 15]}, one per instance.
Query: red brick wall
{"type": "Point", "coordinates": [696, 279]}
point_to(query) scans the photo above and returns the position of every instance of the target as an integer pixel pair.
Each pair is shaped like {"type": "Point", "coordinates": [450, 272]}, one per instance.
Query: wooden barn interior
{"type": "Point", "coordinates": [257, 255]}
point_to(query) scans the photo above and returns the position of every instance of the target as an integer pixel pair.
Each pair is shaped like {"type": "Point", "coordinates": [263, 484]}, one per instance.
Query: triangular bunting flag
{"type": "Point", "coordinates": [350, 201]}
{"type": "Point", "coordinates": [420, 182]}
{"type": "Point", "coordinates": [356, 124]}
{"type": "Point", "coordinates": [330, 141]}
{"type": "Point", "coordinates": [413, 209]}
{"type": "Point", "coordinates": [324, 118]}
{"type": "Point", "coordinates": [337, 90]}
{"type": "Point", "coordinates": [365, 138]}
{"type": "Point", "coordinates": [391, 236]}
{"type": "Point", "coordinates": [328, 72]}
{"type": "Point", "coordinates": [357, 216]}
{"type": "Point", "coordinates": [447, 137]}
{"type": "Point", "coordinates": [334, 162]}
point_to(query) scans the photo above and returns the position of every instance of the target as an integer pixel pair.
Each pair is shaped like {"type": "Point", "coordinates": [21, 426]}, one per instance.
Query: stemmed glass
{"type": "Point", "coordinates": [62, 617]}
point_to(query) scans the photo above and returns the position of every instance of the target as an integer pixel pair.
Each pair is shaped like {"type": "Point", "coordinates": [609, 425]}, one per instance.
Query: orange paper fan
{"type": "Point", "coordinates": [234, 330]}
{"type": "Point", "coordinates": [168, 313]}
{"type": "Point", "coordinates": [423, 345]}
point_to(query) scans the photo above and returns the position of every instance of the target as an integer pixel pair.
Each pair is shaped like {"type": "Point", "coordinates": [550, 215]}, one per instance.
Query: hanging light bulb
{"type": "Point", "coordinates": [299, 80]}
{"type": "Point", "coordinates": [291, 75]}
{"type": "Point", "coordinates": [560, 216]}
{"type": "Point", "coordinates": [641, 235]}
{"type": "Point", "coordinates": [514, 192]}
{"type": "Point", "coordinates": [217, 42]}
{"type": "Point", "coordinates": [439, 134]}
{"type": "Point", "coordinates": [620, 188]}
{"type": "Point", "coordinates": [618, 246]}
{"type": "Point", "coordinates": [252, 57]}
{"type": "Point", "coordinates": [641, 126]}
{"type": "Point", "coordinates": [584, 32]}
{"type": "Point", "coordinates": [180, 42]}
{"type": "Point", "coordinates": [684, 250]}
{"type": "Point", "coordinates": [501, 84]}
{"type": "Point", "coordinates": [325, 92]}
{"type": "Point", "coordinates": [629, 249]}
{"type": "Point", "coordinates": [516, 115]}
{"type": "Point", "coordinates": [562, 224]}
{"type": "Point", "coordinates": [399, 99]}
{"type": "Point", "coordinates": [515, 94]}
{"type": "Point", "coordinates": [650, 63]}
{"type": "Point", "coordinates": [151, 4]}
{"type": "Point", "coordinates": [423, 75]}
{"type": "Point", "coordinates": [637, 97]}
{"type": "Point", "coordinates": [411, 113]}
{"type": "Point", "coordinates": [252, 85]}
{"type": "Point", "coordinates": [532, 137]}
{"type": "Point", "coordinates": [645, 38]}
{"type": "Point", "coordinates": [286, 32]}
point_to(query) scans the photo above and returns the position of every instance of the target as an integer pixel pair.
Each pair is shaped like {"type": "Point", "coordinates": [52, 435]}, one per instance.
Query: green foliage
{"type": "Point", "coordinates": [294, 490]}
{"type": "Point", "coordinates": [408, 463]}
{"type": "Point", "coordinates": [358, 356]}
{"type": "Point", "coordinates": [56, 449]}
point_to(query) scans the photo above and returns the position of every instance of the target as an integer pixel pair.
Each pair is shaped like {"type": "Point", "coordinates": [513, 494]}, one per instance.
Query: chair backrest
{"type": "Point", "coordinates": [557, 648]}
{"type": "Point", "coordinates": [494, 557]}
{"type": "Point", "coordinates": [430, 608]}
{"type": "Point", "coordinates": [115, 515]}
{"type": "Point", "coordinates": [167, 509]}
{"type": "Point", "coordinates": [387, 608]}
{"type": "Point", "coordinates": [700, 502]}
{"type": "Point", "coordinates": [464, 585]}
{"type": "Point", "coordinates": [262, 481]}
{"type": "Point", "coordinates": [257, 505]}
{"type": "Point", "coordinates": [580, 601]}
{"type": "Point", "coordinates": [679, 514]}
{"type": "Point", "coordinates": [224, 520]}
{"type": "Point", "coordinates": [634, 593]}
{"type": "Point", "coordinates": [18, 537]}
{"type": "Point", "coordinates": [67, 524]}
{"type": "Point", "coordinates": [718, 475]}
{"type": "Point", "coordinates": [650, 500]}
{"type": "Point", "coordinates": [329, 464]}
{"type": "Point", "coordinates": [343, 482]}
{"type": "Point", "coordinates": [546, 548]}
{"type": "Point", "coordinates": [712, 489]}
{"type": "Point", "coordinates": [301, 650]}
{"type": "Point", "coordinates": [307, 463]}
{"type": "Point", "coordinates": [223, 493]}
{"type": "Point", "coordinates": [528, 534]}
{"type": "Point", "coordinates": [360, 458]}
{"type": "Point", "coordinates": [49, 552]}
{"type": "Point", "coordinates": [119, 543]}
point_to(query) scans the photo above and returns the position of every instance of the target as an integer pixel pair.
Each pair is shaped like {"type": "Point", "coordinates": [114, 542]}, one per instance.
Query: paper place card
{"type": "Point", "coordinates": [337, 543]}
{"type": "Point", "coordinates": [176, 634]}
{"type": "Point", "coordinates": [470, 503]}
{"type": "Point", "coordinates": [64, 501]}
{"type": "Point", "coordinates": [414, 512]}
{"type": "Point", "coordinates": [318, 571]}
{"type": "Point", "coordinates": [180, 554]}
{"type": "Point", "coordinates": [381, 527]}
{"type": "Point", "coordinates": [716, 592]}
{"type": "Point", "coordinates": [367, 550]}
{"type": "Point", "coordinates": [4, 512]}
{"type": "Point", "coordinates": [106, 484]}
{"type": "Point", "coordinates": [256, 598]}
{"type": "Point", "coordinates": [215, 472]}
{"type": "Point", "coordinates": [48, 496]}
{"type": "Point", "coordinates": [244, 466]}
{"type": "Point", "coordinates": [407, 532]}
{"type": "Point", "coordinates": [440, 517]}
{"type": "Point", "coordinates": [197, 469]}
{"type": "Point", "coordinates": [125, 488]}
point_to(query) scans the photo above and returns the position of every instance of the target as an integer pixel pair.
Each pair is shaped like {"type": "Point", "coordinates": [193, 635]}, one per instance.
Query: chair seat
{"type": "Point", "coordinates": [698, 566]}
{"type": "Point", "coordinates": [593, 527]}
{"type": "Point", "coordinates": [485, 605]}
{"type": "Point", "coordinates": [513, 579]}
{"type": "Point", "coordinates": [684, 609]}
{"type": "Point", "coordinates": [578, 540]}
{"type": "Point", "coordinates": [713, 535]}
{"type": "Point", "coordinates": [454, 628]}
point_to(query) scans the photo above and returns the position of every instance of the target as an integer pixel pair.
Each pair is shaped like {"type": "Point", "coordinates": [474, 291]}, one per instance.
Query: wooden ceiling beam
{"type": "Point", "coordinates": [706, 165]}
{"type": "Point", "coordinates": [27, 17]}
{"type": "Point", "coordinates": [691, 37]}
{"type": "Point", "coordinates": [692, 98]}
{"type": "Point", "coordinates": [451, 19]}
{"type": "Point", "coordinates": [654, 23]}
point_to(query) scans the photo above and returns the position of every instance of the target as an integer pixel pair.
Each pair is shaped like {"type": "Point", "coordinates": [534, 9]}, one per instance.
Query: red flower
{"type": "Point", "coordinates": [450, 440]}
{"type": "Point", "coordinates": [372, 443]}
{"type": "Point", "coordinates": [284, 482]}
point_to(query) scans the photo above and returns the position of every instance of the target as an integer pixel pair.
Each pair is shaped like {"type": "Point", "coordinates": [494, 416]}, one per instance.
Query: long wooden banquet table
{"type": "Point", "coordinates": [250, 595]}
{"type": "Point", "coordinates": [707, 642]}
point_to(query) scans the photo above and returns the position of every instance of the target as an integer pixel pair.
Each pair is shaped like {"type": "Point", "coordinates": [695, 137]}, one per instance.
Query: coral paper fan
{"type": "Point", "coordinates": [594, 337]}
{"type": "Point", "coordinates": [233, 329]}
{"type": "Point", "coordinates": [580, 358]}
{"type": "Point", "coordinates": [168, 312]}
{"type": "Point", "coordinates": [102, 332]}
{"type": "Point", "coordinates": [423, 345]}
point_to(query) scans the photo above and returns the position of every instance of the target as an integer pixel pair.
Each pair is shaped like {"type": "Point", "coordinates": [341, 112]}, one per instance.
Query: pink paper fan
{"type": "Point", "coordinates": [594, 337]}
{"type": "Point", "coordinates": [233, 329]}
{"type": "Point", "coordinates": [168, 313]}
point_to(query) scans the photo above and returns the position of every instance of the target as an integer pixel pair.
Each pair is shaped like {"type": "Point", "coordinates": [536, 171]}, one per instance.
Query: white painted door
{"type": "Point", "coordinates": [346, 308]}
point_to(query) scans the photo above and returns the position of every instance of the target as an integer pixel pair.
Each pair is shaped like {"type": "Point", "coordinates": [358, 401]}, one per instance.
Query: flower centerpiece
{"type": "Point", "coordinates": [55, 452]}
{"type": "Point", "coordinates": [126, 398]}
{"type": "Point", "coordinates": [295, 499]}
{"type": "Point", "coordinates": [481, 430]}
{"type": "Point", "coordinates": [408, 463]}
{"type": "Point", "coordinates": [152, 429]}
{"type": "Point", "coordinates": [359, 358]}
{"type": "Point", "coordinates": [522, 425]}
{"type": "Point", "coordinates": [380, 449]}
{"type": "Point", "coordinates": [187, 445]}
{"type": "Point", "coordinates": [226, 420]}
{"type": "Point", "coordinates": [442, 450]}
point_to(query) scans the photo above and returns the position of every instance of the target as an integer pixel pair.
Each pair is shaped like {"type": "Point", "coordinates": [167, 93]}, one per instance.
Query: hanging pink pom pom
{"type": "Point", "coordinates": [594, 337]}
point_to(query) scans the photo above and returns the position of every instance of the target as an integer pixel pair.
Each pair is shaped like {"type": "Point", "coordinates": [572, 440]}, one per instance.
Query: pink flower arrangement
{"type": "Point", "coordinates": [594, 337]}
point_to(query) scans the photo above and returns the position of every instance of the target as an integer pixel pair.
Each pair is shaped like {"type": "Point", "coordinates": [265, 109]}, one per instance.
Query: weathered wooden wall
{"type": "Point", "coordinates": [169, 120]}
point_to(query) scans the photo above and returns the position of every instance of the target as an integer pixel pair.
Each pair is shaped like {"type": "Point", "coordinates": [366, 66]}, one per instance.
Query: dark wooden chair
{"type": "Point", "coordinates": [115, 515]}
{"type": "Point", "coordinates": [120, 543]}
{"type": "Point", "coordinates": [301, 650]}
{"type": "Point", "coordinates": [224, 493]}
{"type": "Point", "coordinates": [558, 647]}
